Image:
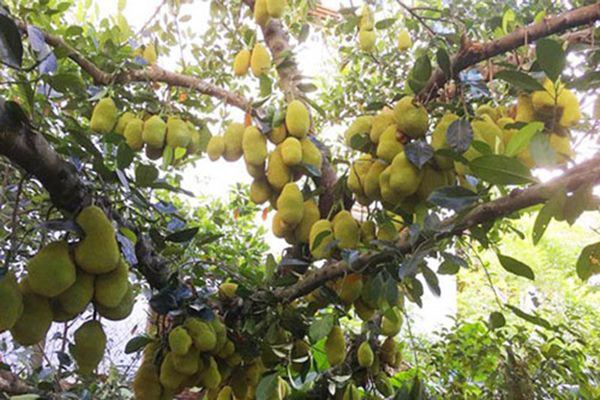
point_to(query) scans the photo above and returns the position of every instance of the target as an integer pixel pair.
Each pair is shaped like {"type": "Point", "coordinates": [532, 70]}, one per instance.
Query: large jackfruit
{"type": "Point", "coordinates": [11, 300]}
{"type": "Point", "coordinates": [438, 140]}
{"type": "Point", "coordinates": [363, 311]}
{"type": "Point", "coordinates": [88, 349]}
{"type": "Point", "coordinates": [146, 385]}
{"type": "Point", "coordinates": [202, 333]}
{"type": "Point", "coordinates": [345, 230]}
{"type": "Point", "coordinates": [405, 177]}
{"type": "Point", "coordinates": [411, 117]}
{"type": "Point", "coordinates": [380, 123]}
{"type": "Point", "coordinates": [278, 174]}
{"type": "Point", "coordinates": [388, 195]}
{"type": "Point", "coordinates": [321, 236]}
{"type": "Point", "coordinates": [260, 191]}
{"type": "Point", "coordinates": [278, 134]}
{"type": "Point", "coordinates": [279, 227]}
{"type": "Point", "coordinates": [178, 133]}
{"type": "Point", "coordinates": [179, 340]}
{"type": "Point", "coordinates": [391, 324]}
{"type": "Point", "coordinates": [98, 252]}
{"type": "Point", "coordinates": [255, 171]}
{"type": "Point", "coordinates": [35, 319]}
{"type": "Point", "coordinates": [155, 130]}
{"type": "Point", "coordinates": [215, 148]}
{"type": "Point", "coordinates": [187, 363]}
{"type": "Point", "coordinates": [311, 154]}
{"type": "Point", "coordinates": [276, 8]}
{"type": "Point", "coordinates": [51, 271]}
{"type": "Point", "coordinates": [404, 40]}
{"type": "Point", "coordinates": [357, 174]}
{"type": "Point", "coordinates": [291, 151]}
{"type": "Point", "coordinates": [261, 14]}
{"type": "Point", "coordinates": [121, 310]}
{"type": "Point", "coordinates": [290, 204]}
{"type": "Point", "coordinates": [335, 346]}
{"type": "Point", "coordinates": [371, 180]}
{"type": "Point", "coordinates": [310, 215]}
{"type": "Point", "coordinates": [233, 138]}
{"type": "Point", "coordinates": [389, 145]}
{"type": "Point", "coordinates": [562, 147]}
{"type": "Point", "coordinates": [169, 377]}
{"type": "Point", "coordinates": [545, 101]}
{"type": "Point", "coordinates": [366, 40]}
{"type": "Point", "coordinates": [241, 63]}
{"type": "Point", "coordinates": [133, 134]}
{"type": "Point", "coordinates": [210, 377]}
{"type": "Point", "coordinates": [104, 116]}
{"type": "Point", "coordinates": [75, 299]}
{"type": "Point", "coordinates": [122, 122]}
{"type": "Point", "coordinates": [254, 146]}
{"type": "Point", "coordinates": [297, 119]}
{"type": "Point", "coordinates": [365, 355]}
{"type": "Point", "coordinates": [220, 333]}
{"type": "Point", "coordinates": [260, 60]}
{"type": "Point", "coordinates": [110, 288]}
{"type": "Point", "coordinates": [387, 231]}
{"type": "Point", "coordinates": [350, 287]}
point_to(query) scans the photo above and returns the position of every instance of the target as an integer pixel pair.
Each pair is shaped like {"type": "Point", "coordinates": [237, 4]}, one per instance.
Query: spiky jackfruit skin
{"type": "Point", "coordinates": [75, 299]}
{"type": "Point", "coordinates": [210, 377]}
{"type": "Point", "coordinates": [335, 346]}
{"type": "Point", "coordinates": [122, 310]}
{"type": "Point", "coordinates": [297, 119]}
{"type": "Point", "coordinates": [411, 117]}
{"type": "Point", "coordinates": [11, 300]}
{"type": "Point", "coordinates": [390, 198]}
{"type": "Point", "coordinates": [365, 355]}
{"type": "Point", "coordinates": [260, 191]}
{"type": "Point", "coordinates": [366, 40]}
{"type": "Point", "coordinates": [358, 172]}
{"type": "Point", "coordinates": [104, 116]}
{"type": "Point", "coordinates": [188, 362]}
{"type": "Point", "coordinates": [278, 134]}
{"type": "Point", "coordinates": [310, 215]}
{"type": "Point", "coordinates": [155, 130]}
{"type": "Point", "coordinates": [198, 141]}
{"type": "Point", "coordinates": [279, 227]}
{"type": "Point", "coordinates": [291, 151]}
{"type": "Point", "coordinates": [389, 145]}
{"type": "Point", "coordinates": [34, 322]}
{"type": "Point", "coordinates": [351, 392]}
{"type": "Point", "coordinates": [241, 63]}
{"type": "Point", "coordinates": [276, 8]}
{"type": "Point", "coordinates": [260, 60]}
{"type": "Point", "coordinates": [371, 180]}
{"type": "Point", "coordinates": [391, 326]}
{"type": "Point", "coordinates": [146, 385]}
{"type": "Point", "coordinates": [215, 148]}
{"type": "Point", "coordinates": [345, 230]}
{"type": "Point", "coordinates": [404, 40]}
{"type": "Point", "coordinates": [51, 271]}
{"type": "Point", "coordinates": [178, 133]}
{"type": "Point", "coordinates": [233, 138]}
{"type": "Point", "coordinates": [405, 177]}
{"type": "Point", "coordinates": [256, 171]}
{"type": "Point", "coordinates": [122, 122]}
{"type": "Point", "coordinates": [261, 14]}
{"type": "Point", "coordinates": [432, 179]}
{"type": "Point", "coordinates": [227, 290]}
{"type": "Point", "coordinates": [290, 204]}
{"type": "Point", "coordinates": [367, 19]}
{"type": "Point", "coordinates": [350, 287]}
{"type": "Point", "coordinates": [254, 146]}
{"type": "Point", "coordinates": [88, 349]}
{"type": "Point", "coordinates": [202, 334]}
{"type": "Point", "coordinates": [110, 288]}
{"type": "Point", "coordinates": [97, 252]}
{"type": "Point", "coordinates": [133, 134]}
{"type": "Point", "coordinates": [380, 123]}
{"type": "Point", "coordinates": [169, 377]}
{"type": "Point", "coordinates": [179, 340]}
{"type": "Point", "coordinates": [311, 154]}
{"type": "Point", "coordinates": [367, 231]}
{"type": "Point", "coordinates": [323, 231]}
{"type": "Point", "coordinates": [438, 140]}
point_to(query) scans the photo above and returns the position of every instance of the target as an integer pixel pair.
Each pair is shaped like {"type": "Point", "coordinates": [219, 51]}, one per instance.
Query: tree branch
{"type": "Point", "coordinates": [585, 173]}
{"type": "Point", "coordinates": [476, 52]}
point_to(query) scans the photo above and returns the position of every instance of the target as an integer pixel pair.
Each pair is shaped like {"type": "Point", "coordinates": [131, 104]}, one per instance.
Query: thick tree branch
{"type": "Point", "coordinates": [585, 173]}
{"type": "Point", "coordinates": [476, 52]}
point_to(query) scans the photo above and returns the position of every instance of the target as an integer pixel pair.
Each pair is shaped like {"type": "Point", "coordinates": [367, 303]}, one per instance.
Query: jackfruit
{"type": "Point", "coordinates": [76, 298]}
{"type": "Point", "coordinates": [227, 350]}
{"type": "Point", "coordinates": [133, 134]}
{"type": "Point", "coordinates": [278, 134]}
{"type": "Point", "coordinates": [404, 40]}
{"type": "Point", "coordinates": [233, 138]}
{"type": "Point", "coordinates": [279, 227]}
{"type": "Point", "coordinates": [346, 230]}
{"type": "Point", "coordinates": [411, 117]}
{"type": "Point", "coordinates": [227, 290]}
{"type": "Point", "coordinates": [220, 333]}
{"type": "Point", "coordinates": [310, 215]}
{"type": "Point", "coordinates": [311, 154]}
{"type": "Point", "coordinates": [358, 173]}
{"type": "Point", "coordinates": [255, 171]}
{"type": "Point", "coordinates": [387, 231]}
{"type": "Point", "coordinates": [367, 20]}
{"type": "Point", "coordinates": [261, 14]}
{"type": "Point", "coordinates": [11, 300]}
{"type": "Point", "coordinates": [226, 393]}
{"type": "Point", "coordinates": [198, 141]}
{"type": "Point", "coordinates": [350, 288]}
{"type": "Point", "coordinates": [389, 145]}
{"type": "Point", "coordinates": [97, 252]}
{"type": "Point", "coordinates": [367, 231]}
{"type": "Point", "coordinates": [178, 133]}
{"type": "Point", "coordinates": [188, 362]}
{"type": "Point", "coordinates": [507, 133]}
{"type": "Point", "coordinates": [110, 288]}
{"type": "Point", "coordinates": [104, 116]}
{"type": "Point", "coordinates": [88, 349]}
{"type": "Point", "coordinates": [405, 177]}
{"type": "Point", "coordinates": [169, 377]}
{"type": "Point", "coordinates": [276, 8]}
{"type": "Point", "coordinates": [357, 134]}
{"type": "Point", "coordinates": [254, 145]}
{"type": "Point", "coordinates": [383, 385]}
{"type": "Point", "coordinates": [122, 122]}
{"type": "Point", "coordinates": [122, 310]}
{"type": "Point", "coordinates": [51, 271]}
{"type": "Point", "coordinates": [438, 140]}
{"type": "Point", "coordinates": [351, 393]}
{"type": "Point", "coordinates": [371, 180]}
{"type": "Point", "coordinates": [388, 195]}
{"type": "Point", "coordinates": [571, 114]}
{"type": "Point", "coordinates": [366, 40]}
{"type": "Point", "coordinates": [390, 326]}
{"type": "Point", "coordinates": [241, 63]}
{"type": "Point", "coordinates": [365, 355]}
{"type": "Point", "coordinates": [485, 128]}
{"type": "Point", "coordinates": [321, 236]}
{"type": "Point", "coordinates": [146, 385]}
{"type": "Point", "coordinates": [470, 154]}
{"type": "Point", "coordinates": [380, 123]}
{"type": "Point", "coordinates": [335, 346]}
{"type": "Point", "coordinates": [290, 204]}
{"type": "Point", "coordinates": [35, 319]}
{"type": "Point", "coordinates": [179, 340]}
{"type": "Point", "coordinates": [260, 191]}
{"type": "Point", "coordinates": [363, 311]}
{"type": "Point", "coordinates": [291, 151]}
{"type": "Point", "coordinates": [210, 377]}
{"type": "Point", "coordinates": [525, 111]}
{"type": "Point", "coordinates": [155, 130]}
{"type": "Point", "coordinates": [389, 348]}
{"type": "Point", "coordinates": [260, 60]}
{"type": "Point", "coordinates": [432, 179]}
{"type": "Point", "coordinates": [202, 334]}
{"type": "Point", "coordinates": [149, 54]}
{"type": "Point", "coordinates": [215, 148]}
{"type": "Point", "coordinates": [297, 119]}
{"type": "Point", "coordinates": [562, 147]}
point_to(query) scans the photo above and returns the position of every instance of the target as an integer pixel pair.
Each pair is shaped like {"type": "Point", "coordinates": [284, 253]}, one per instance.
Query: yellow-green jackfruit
{"type": "Point", "coordinates": [358, 173]}
{"type": "Point", "coordinates": [51, 271]}
{"type": "Point", "coordinates": [361, 127]}
{"type": "Point", "coordinates": [297, 119]}
{"type": "Point", "coordinates": [525, 111]}
{"type": "Point", "coordinates": [241, 63]}
{"type": "Point", "coordinates": [260, 191]}
{"type": "Point", "coordinates": [179, 340]}
{"type": "Point", "coordinates": [226, 393]}
{"type": "Point", "coordinates": [390, 325]}
{"type": "Point", "coordinates": [233, 138]}
{"type": "Point", "coordinates": [260, 60]}
{"type": "Point", "coordinates": [367, 19]}
{"type": "Point", "coordinates": [371, 180]}
{"type": "Point", "coordinates": [110, 288]}
{"type": "Point", "coordinates": [188, 362]}
{"type": "Point", "coordinates": [278, 134]}
{"type": "Point", "coordinates": [104, 116]}
{"type": "Point", "coordinates": [97, 252]}
{"type": "Point", "coordinates": [133, 134]}
{"type": "Point", "coordinates": [122, 310]}
{"type": "Point", "coordinates": [350, 287]}
{"type": "Point", "coordinates": [335, 346]}
{"type": "Point", "coordinates": [321, 236]}
{"type": "Point", "coordinates": [255, 171]}
{"type": "Point", "coordinates": [75, 299]}
{"type": "Point", "coordinates": [35, 319]}
{"type": "Point", "coordinates": [202, 333]}
{"type": "Point", "coordinates": [178, 133]}
{"type": "Point", "coordinates": [291, 151]}
{"type": "Point", "coordinates": [365, 355]}
{"type": "Point", "coordinates": [366, 40]}
{"type": "Point", "coordinates": [363, 311]}
{"type": "Point", "coordinates": [438, 140]}
{"type": "Point", "coordinates": [411, 117]}
{"type": "Point", "coordinates": [404, 40]}
{"type": "Point", "coordinates": [149, 54]}
{"type": "Point", "coordinates": [351, 393]}
{"type": "Point", "coordinates": [380, 123]}
{"type": "Point", "coordinates": [155, 130]}
{"type": "Point", "coordinates": [11, 300]}
{"type": "Point", "coordinates": [311, 154]}
{"type": "Point", "coordinates": [261, 14]}
{"type": "Point", "coordinates": [215, 148]}
{"type": "Point", "coordinates": [310, 215]}
{"type": "Point", "coordinates": [169, 377]}
{"type": "Point", "coordinates": [367, 231]}
{"type": "Point", "coordinates": [210, 376]}
{"type": "Point", "coordinates": [88, 349]}
{"type": "Point", "coordinates": [432, 179]}
{"type": "Point", "coordinates": [146, 385]}
{"type": "Point", "coordinates": [346, 230]}
{"type": "Point", "coordinates": [228, 289]}
{"type": "Point", "coordinates": [405, 177]}
{"type": "Point", "coordinates": [389, 145]}
{"type": "Point", "coordinates": [290, 204]}
{"type": "Point", "coordinates": [254, 146]}
{"type": "Point", "coordinates": [276, 8]}
{"type": "Point", "coordinates": [123, 121]}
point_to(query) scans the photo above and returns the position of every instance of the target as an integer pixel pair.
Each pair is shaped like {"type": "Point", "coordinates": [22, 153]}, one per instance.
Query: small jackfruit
{"type": "Point", "coordinates": [358, 173]}
{"type": "Point", "coordinates": [35, 319]}
{"type": "Point", "coordinates": [260, 60]}
{"type": "Point", "coordinates": [404, 40]}
{"type": "Point", "coordinates": [311, 154]}
{"type": "Point", "coordinates": [123, 121]}
{"type": "Point", "coordinates": [260, 191]}
{"type": "Point", "coordinates": [155, 130]}
{"type": "Point", "coordinates": [279, 227]}
{"type": "Point", "coordinates": [76, 298]}
{"type": "Point", "coordinates": [291, 151]}
{"type": "Point", "coordinates": [215, 148]}
{"type": "Point", "coordinates": [389, 196]}
{"type": "Point", "coordinates": [366, 40]}
{"type": "Point", "coordinates": [335, 346]}
{"type": "Point", "coordinates": [88, 349]}
{"type": "Point", "coordinates": [346, 230]}
{"type": "Point", "coordinates": [387, 231]}
{"type": "Point", "coordinates": [380, 123]}
{"type": "Point", "coordinates": [226, 393]}
{"type": "Point", "coordinates": [350, 288]}
{"type": "Point", "coordinates": [51, 271]}
{"type": "Point", "coordinates": [220, 333]}
{"type": "Point", "coordinates": [276, 8]}
{"type": "Point", "coordinates": [365, 355]}
{"type": "Point", "coordinates": [11, 300]}
{"type": "Point", "coordinates": [228, 289]}
{"type": "Point", "coordinates": [321, 236]}
{"type": "Point", "coordinates": [290, 204]}
{"type": "Point", "coordinates": [134, 134]}
{"type": "Point", "coordinates": [241, 63]}
{"type": "Point", "coordinates": [97, 252]}
{"type": "Point", "coordinates": [351, 393]}
{"type": "Point", "coordinates": [357, 134]}
{"type": "Point", "coordinates": [278, 134]}
{"type": "Point", "coordinates": [432, 179]}
{"type": "Point", "coordinates": [110, 288]}
{"type": "Point", "coordinates": [261, 14]}
{"type": "Point", "coordinates": [202, 333]}
{"type": "Point", "coordinates": [178, 133]}
{"type": "Point", "coordinates": [104, 116]}
{"type": "Point", "coordinates": [371, 180]}
{"type": "Point", "coordinates": [367, 19]}
{"type": "Point", "coordinates": [169, 377]}
{"type": "Point", "coordinates": [411, 117]}
{"type": "Point", "coordinates": [389, 145]}
{"type": "Point", "coordinates": [188, 362]}
{"type": "Point", "coordinates": [390, 325]}
{"type": "Point", "coordinates": [179, 340]}
{"type": "Point", "coordinates": [233, 138]}
{"type": "Point", "coordinates": [210, 377]}
{"type": "Point", "coordinates": [254, 146]}
{"type": "Point", "coordinates": [405, 177]}
{"type": "Point", "coordinates": [255, 171]}
{"type": "Point", "coordinates": [297, 119]}
{"type": "Point", "coordinates": [438, 140]}
{"type": "Point", "coordinates": [146, 385]}
{"type": "Point", "coordinates": [310, 215]}
{"type": "Point", "coordinates": [121, 310]}
{"type": "Point", "coordinates": [367, 231]}
{"type": "Point", "coordinates": [363, 311]}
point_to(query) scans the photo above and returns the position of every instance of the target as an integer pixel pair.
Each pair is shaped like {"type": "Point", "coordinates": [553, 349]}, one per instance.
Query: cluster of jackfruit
{"type": "Point", "coordinates": [366, 26]}
{"type": "Point", "coordinates": [61, 282]}
{"type": "Point", "coordinates": [152, 132]}
{"type": "Point", "coordinates": [259, 61]}
{"type": "Point", "coordinates": [267, 9]}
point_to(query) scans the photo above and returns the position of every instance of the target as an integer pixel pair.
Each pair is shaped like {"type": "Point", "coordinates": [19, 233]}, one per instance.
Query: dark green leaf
{"type": "Point", "coordinates": [551, 57]}
{"type": "Point", "coordinates": [11, 47]}
{"type": "Point", "coordinates": [184, 235]}
{"type": "Point", "coordinates": [267, 387]}
{"type": "Point", "coordinates": [453, 197]}
{"type": "Point", "coordinates": [443, 60]}
{"type": "Point", "coordinates": [320, 328]}
{"type": "Point", "coordinates": [385, 23]}
{"type": "Point", "coordinates": [124, 155]}
{"type": "Point", "coordinates": [588, 263]}
{"type": "Point", "coordinates": [497, 320]}
{"type": "Point", "coordinates": [501, 170]}
{"type": "Point", "coordinates": [459, 135]}
{"type": "Point", "coordinates": [552, 208]}
{"type": "Point", "coordinates": [516, 267]}
{"type": "Point", "coordinates": [530, 318]}
{"type": "Point", "coordinates": [520, 80]}
{"type": "Point", "coordinates": [136, 344]}
{"type": "Point", "coordinates": [145, 175]}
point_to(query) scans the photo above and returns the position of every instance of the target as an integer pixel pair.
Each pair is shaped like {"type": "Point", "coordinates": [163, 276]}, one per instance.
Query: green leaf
{"type": "Point", "coordinates": [448, 268]}
{"type": "Point", "coordinates": [136, 344]}
{"type": "Point", "coordinates": [443, 60]}
{"type": "Point", "coordinates": [530, 318]}
{"type": "Point", "coordinates": [267, 387]}
{"type": "Point", "coordinates": [145, 175]}
{"type": "Point", "coordinates": [552, 207]}
{"type": "Point", "coordinates": [497, 320]}
{"type": "Point", "coordinates": [11, 47]}
{"type": "Point", "coordinates": [420, 73]}
{"type": "Point", "coordinates": [588, 263]}
{"type": "Point", "coordinates": [519, 80]}
{"type": "Point", "coordinates": [184, 235]}
{"type": "Point", "coordinates": [453, 197]}
{"type": "Point", "coordinates": [550, 57]}
{"type": "Point", "coordinates": [385, 23]}
{"type": "Point", "coordinates": [541, 151]}
{"type": "Point", "coordinates": [520, 139]}
{"type": "Point", "coordinates": [516, 267]}
{"type": "Point", "coordinates": [124, 155]}
{"type": "Point", "coordinates": [304, 32]}
{"type": "Point", "coordinates": [266, 86]}
{"type": "Point", "coordinates": [320, 328]}
{"type": "Point", "coordinates": [66, 82]}
{"type": "Point", "coordinates": [501, 170]}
